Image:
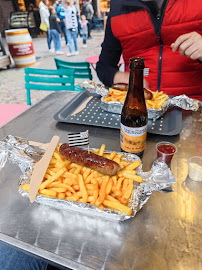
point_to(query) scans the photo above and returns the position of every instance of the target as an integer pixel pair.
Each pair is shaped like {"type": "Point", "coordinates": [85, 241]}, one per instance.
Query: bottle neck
{"type": "Point", "coordinates": [136, 84]}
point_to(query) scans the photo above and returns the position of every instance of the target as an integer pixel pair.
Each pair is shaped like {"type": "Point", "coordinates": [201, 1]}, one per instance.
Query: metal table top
{"type": "Point", "coordinates": [165, 234]}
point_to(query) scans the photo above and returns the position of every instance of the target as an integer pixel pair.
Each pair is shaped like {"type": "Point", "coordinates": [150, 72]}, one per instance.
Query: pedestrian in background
{"type": "Point", "coordinates": [72, 27]}
{"type": "Point", "coordinates": [84, 30]}
{"type": "Point", "coordinates": [45, 26]}
{"type": "Point", "coordinates": [55, 30]}
{"type": "Point", "coordinates": [55, 5]}
{"type": "Point", "coordinates": [88, 11]}
{"type": "Point", "coordinates": [77, 17]}
{"type": "Point", "coordinates": [61, 16]}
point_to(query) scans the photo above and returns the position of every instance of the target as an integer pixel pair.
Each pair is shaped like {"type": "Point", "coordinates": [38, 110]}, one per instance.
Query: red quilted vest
{"type": "Point", "coordinates": [178, 74]}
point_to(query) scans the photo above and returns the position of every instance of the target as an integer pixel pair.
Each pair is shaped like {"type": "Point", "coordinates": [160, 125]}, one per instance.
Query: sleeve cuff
{"type": "Point", "coordinates": [106, 75]}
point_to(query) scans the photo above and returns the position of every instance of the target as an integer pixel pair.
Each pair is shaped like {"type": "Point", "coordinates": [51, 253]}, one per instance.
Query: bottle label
{"type": "Point", "coordinates": [133, 139]}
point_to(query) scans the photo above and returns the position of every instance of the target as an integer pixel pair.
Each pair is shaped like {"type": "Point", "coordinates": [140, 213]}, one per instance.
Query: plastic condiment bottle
{"type": "Point", "coordinates": [134, 116]}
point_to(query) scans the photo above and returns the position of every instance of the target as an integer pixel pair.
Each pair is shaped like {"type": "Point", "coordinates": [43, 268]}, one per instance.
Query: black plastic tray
{"type": "Point", "coordinates": [169, 124]}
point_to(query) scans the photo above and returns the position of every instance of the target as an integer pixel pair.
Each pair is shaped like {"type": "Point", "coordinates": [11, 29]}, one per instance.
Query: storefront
{"type": "Point", "coordinates": [25, 13]}
{"type": "Point", "coordinates": [104, 7]}
{"type": "Point", "coordinates": [22, 5]}
{"type": "Point", "coordinates": [101, 7]}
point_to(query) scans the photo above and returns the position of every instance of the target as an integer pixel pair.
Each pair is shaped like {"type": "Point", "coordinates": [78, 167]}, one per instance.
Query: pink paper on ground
{"type": "Point", "coordinates": [9, 111]}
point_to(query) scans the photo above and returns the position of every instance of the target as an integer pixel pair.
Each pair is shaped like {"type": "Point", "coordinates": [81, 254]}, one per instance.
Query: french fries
{"type": "Point", "coordinates": [119, 96]}
{"type": "Point", "coordinates": [115, 95]}
{"type": "Point", "coordinates": [157, 101]}
{"type": "Point", "coordinates": [69, 181]}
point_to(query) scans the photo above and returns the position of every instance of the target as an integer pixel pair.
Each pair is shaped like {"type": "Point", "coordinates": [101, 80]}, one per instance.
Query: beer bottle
{"type": "Point", "coordinates": [134, 115]}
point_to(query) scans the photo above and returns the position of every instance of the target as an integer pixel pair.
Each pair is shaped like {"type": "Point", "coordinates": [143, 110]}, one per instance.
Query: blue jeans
{"type": "Point", "coordinates": [84, 36]}
{"type": "Point", "coordinates": [64, 30]}
{"type": "Point", "coordinates": [49, 38]}
{"type": "Point", "coordinates": [13, 259]}
{"type": "Point", "coordinates": [72, 35]}
{"type": "Point", "coordinates": [56, 39]}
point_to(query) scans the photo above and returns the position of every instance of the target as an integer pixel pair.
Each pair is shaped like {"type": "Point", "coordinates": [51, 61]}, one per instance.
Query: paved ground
{"type": "Point", "coordinates": [12, 89]}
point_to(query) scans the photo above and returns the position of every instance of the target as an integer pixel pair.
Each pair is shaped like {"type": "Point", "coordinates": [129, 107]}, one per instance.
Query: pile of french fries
{"type": "Point", "coordinates": [157, 101]}
{"type": "Point", "coordinates": [119, 96]}
{"type": "Point", "coordinates": [69, 181]}
{"type": "Point", "coordinates": [115, 95]}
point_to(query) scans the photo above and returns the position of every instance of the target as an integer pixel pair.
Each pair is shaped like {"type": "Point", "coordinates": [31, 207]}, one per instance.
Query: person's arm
{"type": "Point", "coordinates": [107, 65]}
{"type": "Point", "coordinates": [56, 24]}
{"type": "Point", "coordinates": [189, 45]}
{"type": "Point", "coordinates": [66, 16]}
{"type": "Point", "coordinates": [121, 77]}
{"type": "Point", "coordinates": [58, 11]}
{"type": "Point", "coordinates": [91, 10]}
{"type": "Point", "coordinates": [44, 17]}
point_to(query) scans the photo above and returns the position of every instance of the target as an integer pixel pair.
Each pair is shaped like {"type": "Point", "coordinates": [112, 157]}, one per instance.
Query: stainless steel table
{"type": "Point", "coordinates": [165, 234]}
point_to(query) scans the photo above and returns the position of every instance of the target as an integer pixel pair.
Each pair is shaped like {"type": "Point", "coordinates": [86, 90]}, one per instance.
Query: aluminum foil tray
{"type": "Point", "coordinates": [182, 101]}
{"type": "Point", "coordinates": [15, 150]}
{"type": "Point", "coordinates": [169, 124]}
{"type": "Point", "coordinates": [116, 107]}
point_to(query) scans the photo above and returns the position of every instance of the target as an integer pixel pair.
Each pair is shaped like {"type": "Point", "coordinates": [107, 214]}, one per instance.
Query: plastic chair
{"type": "Point", "coordinates": [98, 23]}
{"type": "Point", "coordinates": [82, 69]}
{"type": "Point", "coordinates": [48, 80]}
{"type": "Point", "coordinates": [10, 111]}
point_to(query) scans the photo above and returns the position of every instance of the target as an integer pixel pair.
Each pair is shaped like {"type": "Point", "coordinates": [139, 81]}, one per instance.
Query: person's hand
{"type": "Point", "coordinates": [57, 19]}
{"type": "Point", "coordinates": [123, 77]}
{"type": "Point", "coordinates": [146, 84]}
{"type": "Point", "coordinates": [189, 45]}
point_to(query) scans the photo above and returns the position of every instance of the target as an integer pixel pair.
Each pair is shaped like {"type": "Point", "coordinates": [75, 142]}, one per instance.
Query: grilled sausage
{"type": "Point", "coordinates": [90, 160]}
{"type": "Point", "coordinates": [120, 86]}
{"type": "Point", "coordinates": [148, 94]}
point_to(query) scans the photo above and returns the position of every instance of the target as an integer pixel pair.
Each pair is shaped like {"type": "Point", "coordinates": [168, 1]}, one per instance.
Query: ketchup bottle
{"type": "Point", "coordinates": [134, 116]}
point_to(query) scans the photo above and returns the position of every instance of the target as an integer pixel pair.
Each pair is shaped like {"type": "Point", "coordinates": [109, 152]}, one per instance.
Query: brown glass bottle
{"type": "Point", "coordinates": [134, 115]}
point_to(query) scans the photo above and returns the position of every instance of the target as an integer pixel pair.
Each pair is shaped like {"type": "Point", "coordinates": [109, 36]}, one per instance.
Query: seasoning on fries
{"type": "Point", "coordinates": [70, 181]}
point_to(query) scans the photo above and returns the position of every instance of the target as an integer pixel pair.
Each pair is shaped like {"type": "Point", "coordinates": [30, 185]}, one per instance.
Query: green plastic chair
{"type": "Point", "coordinates": [48, 80]}
{"type": "Point", "coordinates": [82, 69]}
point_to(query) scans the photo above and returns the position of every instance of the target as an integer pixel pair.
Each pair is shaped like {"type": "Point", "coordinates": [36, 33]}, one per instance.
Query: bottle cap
{"type": "Point", "coordinates": [136, 62]}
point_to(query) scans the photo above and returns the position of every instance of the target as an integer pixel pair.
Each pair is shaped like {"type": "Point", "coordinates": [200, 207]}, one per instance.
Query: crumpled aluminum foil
{"type": "Point", "coordinates": [182, 102]}
{"type": "Point", "coordinates": [116, 107]}
{"type": "Point", "coordinates": [18, 151]}
{"type": "Point", "coordinates": [185, 103]}
{"type": "Point", "coordinates": [93, 88]}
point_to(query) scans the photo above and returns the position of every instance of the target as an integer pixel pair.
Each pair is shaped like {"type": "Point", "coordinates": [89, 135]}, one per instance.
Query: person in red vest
{"type": "Point", "coordinates": [167, 33]}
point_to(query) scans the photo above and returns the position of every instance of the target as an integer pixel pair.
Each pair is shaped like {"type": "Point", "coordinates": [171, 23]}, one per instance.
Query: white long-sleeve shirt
{"type": "Point", "coordinates": [70, 17]}
{"type": "Point", "coordinates": [44, 13]}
